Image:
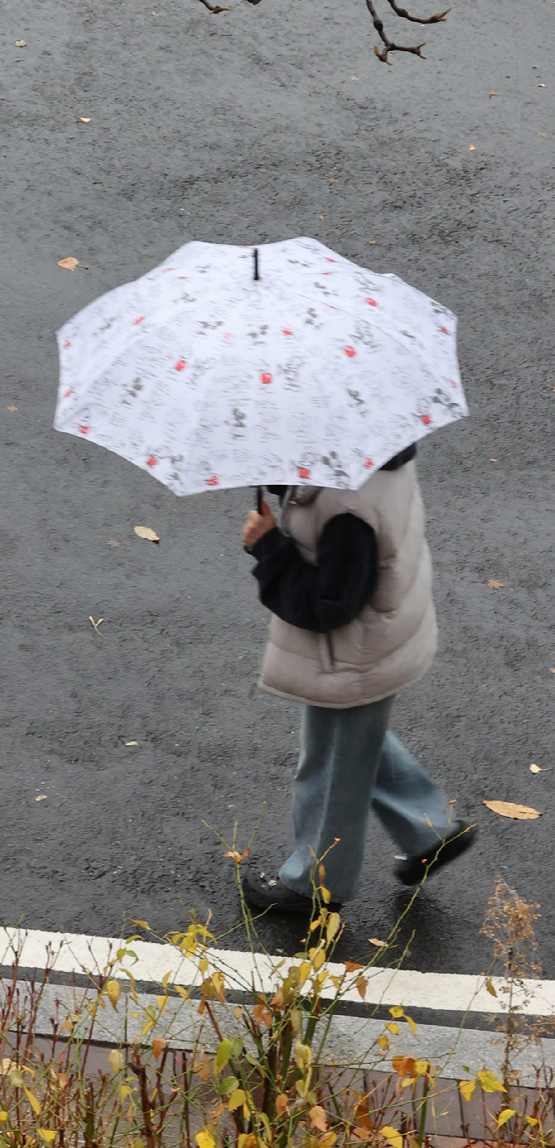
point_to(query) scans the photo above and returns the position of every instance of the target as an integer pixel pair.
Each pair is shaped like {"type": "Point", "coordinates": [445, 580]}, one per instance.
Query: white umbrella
{"type": "Point", "coordinates": [317, 372]}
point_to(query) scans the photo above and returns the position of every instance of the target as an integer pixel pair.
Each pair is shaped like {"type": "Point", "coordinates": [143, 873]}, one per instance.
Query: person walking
{"type": "Point", "coordinates": [347, 577]}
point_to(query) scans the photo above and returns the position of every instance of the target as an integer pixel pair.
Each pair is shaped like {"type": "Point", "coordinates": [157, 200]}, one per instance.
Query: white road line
{"type": "Point", "coordinates": [150, 962]}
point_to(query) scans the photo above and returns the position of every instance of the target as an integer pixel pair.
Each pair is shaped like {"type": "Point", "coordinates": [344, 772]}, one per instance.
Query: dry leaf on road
{"type": "Point", "coordinates": [112, 542]}
{"type": "Point", "coordinates": [377, 943]}
{"type": "Point", "coordinates": [85, 119]}
{"type": "Point", "coordinates": [69, 264]}
{"type": "Point", "coordinates": [494, 584]}
{"type": "Point", "coordinates": [510, 809]}
{"type": "Point", "coordinates": [539, 768]}
{"type": "Point", "coordinates": [21, 43]}
{"type": "Point", "coordinates": [131, 743]}
{"type": "Point", "coordinates": [12, 408]}
{"type": "Point", "coordinates": [146, 532]}
{"type": "Point", "coordinates": [94, 624]}
{"type": "Point", "coordinates": [41, 797]}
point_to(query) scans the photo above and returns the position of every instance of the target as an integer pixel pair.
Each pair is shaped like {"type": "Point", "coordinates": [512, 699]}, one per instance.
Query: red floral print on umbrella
{"type": "Point", "coordinates": [350, 351]}
{"type": "Point", "coordinates": [141, 319]}
{"type": "Point", "coordinates": [84, 429]}
{"type": "Point", "coordinates": [426, 420]}
{"type": "Point", "coordinates": [151, 461]}
{"type": "Point", "coordinates": [304, 472]}
{"type": "Point", "coordinates": [372, 302]}
{"type": "Point", "coordinates": [67, 344]}
{"type": "Point", "coordinates": [180, 365]}
{"type": "Point", "coordinates": [212, 481]}
{"type": "Point", "coordinates": [368, 462]}
{"type": "Point", "coordinates": [266, 377]}
{"type": "Point", "coordinates": [445, 331]}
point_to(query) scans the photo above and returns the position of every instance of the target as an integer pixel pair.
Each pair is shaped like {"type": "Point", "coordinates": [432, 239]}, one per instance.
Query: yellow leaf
{"type": "Point", "coordinates": [362, 985]}
{"type": "Point", "coordinates": [20, 43]}
{"type": "Point", "coordinates": [158, 1045]}
{"type": "Point", "coordinates": [182, 992]}
{"type": "Point", "coordinates": [146, 532]}
{"type": "Point", "coordinates": [236, 1099]}
{"type": "Point", "coordinates": [494, 584]}
{"type": "Point", "coordinates": [7, 1066]}
{"type": "Point", "coordinates": [328, 1140]}
{"type": "Point", "coordinates": [319, 958]}
{"type": "Point", "coordinates": [115, 1060]}
{"type": "Point", "coordinates": [383, 1043]}
{"type": "Point", "coordinates": [205, 1139]}
{"type": "Point", "coordinates": [397, 1011]}
{"type": "Point", "coordinates": [141, 924]}
{"type": "Point", "coordinates": [3, 1117]}
{"type": "Point", "coordinates": [113, 990]}
{"type": "Point", "coordinates": [393, 1027]}
{"type": "Point", "coordinates": [326, 895]}
{"type": "Point", "coordinates": [69, 264]}
{"type": "Point", "coordinates": [35, 1104]}
{"type": "Point", "coordinates": [490, 1082]}
{"type": "Point", "coordinates": [467, 1088]}
{"type": "Point", "coordinates": [411, 1024]}
{"type": "Point", "coordinates": [47, 1134]}
{"type": "Point", "coordinates": [333, 926]}
{"type": "Point", "coordinates": [510, 809]}
{"type": "Point", "coordinates": [41, 797]}
{"type": "Point", "coordinates": [531, 1120]}
{"type": "Point", "coordinates": [491, 987]}
{"type": "Point", "coordinates": [282, 1100]}
{"type": "Point", "coordinates": [504, 1116]}
{"type": "Point", "coordinates": [404, 1065]}
{"type": "Point", "coordinates": [318, 1118]}
{"type": "Point", "coordinates": [393, 1136]}
{"type": "Point", "coordinates": [376, 942]}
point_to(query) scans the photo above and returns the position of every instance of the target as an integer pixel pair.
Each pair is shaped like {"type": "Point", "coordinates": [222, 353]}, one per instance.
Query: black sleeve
{"type": "Point", "coordinates": [327, 595]}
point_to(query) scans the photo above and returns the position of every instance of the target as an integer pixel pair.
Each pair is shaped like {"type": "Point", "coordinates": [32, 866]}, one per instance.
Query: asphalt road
{"type": "Point", "coordinates": [262, 123]}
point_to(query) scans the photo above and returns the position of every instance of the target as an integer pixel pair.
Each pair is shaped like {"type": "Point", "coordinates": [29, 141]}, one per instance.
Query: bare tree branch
{"type": "Point", "coordinates": [215, 8]}
{"type": "Point", "coordinates": [388, 45]}
{"type": "Point", "coordinates": [438, 19]}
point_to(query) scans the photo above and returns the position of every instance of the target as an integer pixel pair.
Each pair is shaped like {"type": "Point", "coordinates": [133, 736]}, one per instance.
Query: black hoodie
{"type": "Point", "coordinates": [332, 592]}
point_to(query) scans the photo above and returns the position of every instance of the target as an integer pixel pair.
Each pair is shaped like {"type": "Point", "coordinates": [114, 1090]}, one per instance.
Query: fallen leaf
{"type": "Point", "coordinates": [544, 134]}
{"type": "Point", "coordinates": [116, 1060]}
{"type": "Point", "coordinates": [535, 768]}
{"type": "Point", "coordinates": [510, 809]}
{"type": "Point", "coordinates": [112, 542]}
{"type": "Point", "coordinates": [23, 44]}
{"type": "Point", "coordinates": [94, 624]}
{"type": "Point", "coordinates": [131, 743]}
{"type": "Point", "coordinates": [85, 119]}
{"type": "Point", "coordinates": [354, 77]}
{"type": "Point", "coordinates": [11, 408]}
{"type": "Point", "coordinates": [490, 94]}
{"type": "Point", "coordinates": [472, 148]}
{"type": "Point", "coordinates": [7, 1066]}
{"type": "Point", "coordinates": [158, 1045]}
{"type": "Point", "coordinates": [69, 264]}
{"type": "Point", "coordinates": [146, 532]}
{"type": "Point", "coordinates": [493, 460]}
{"type": "Point", "coordinates": [322, 217]}
{"type": "Point", "coordinates": [41, 797]}
{"type": "Point", "coordinates": [541, 85]}
{"type": "Point", "coordinates": [552, 670]}
{"type": "Point", "coordinates": [372, 241]}
{"type": "Point", "coordinates": [494, 584]}
{"type": "Point", "coordinates": [376, 942]}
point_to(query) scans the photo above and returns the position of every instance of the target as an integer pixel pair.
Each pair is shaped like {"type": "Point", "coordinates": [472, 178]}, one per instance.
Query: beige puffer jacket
{"type": "Point", "coordinates": [393, 640]}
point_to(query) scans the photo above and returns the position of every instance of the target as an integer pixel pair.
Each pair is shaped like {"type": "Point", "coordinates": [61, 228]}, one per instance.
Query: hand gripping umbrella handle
{"type": "Point", "coordinates": [259, 497]}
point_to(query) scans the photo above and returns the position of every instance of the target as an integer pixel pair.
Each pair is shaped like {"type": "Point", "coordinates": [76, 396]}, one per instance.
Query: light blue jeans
{"type": "Point", "coordinates": [348, 765]}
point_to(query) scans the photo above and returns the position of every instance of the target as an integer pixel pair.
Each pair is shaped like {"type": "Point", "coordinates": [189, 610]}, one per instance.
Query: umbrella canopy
{"type": "Point", "coordinates": [317, 372]}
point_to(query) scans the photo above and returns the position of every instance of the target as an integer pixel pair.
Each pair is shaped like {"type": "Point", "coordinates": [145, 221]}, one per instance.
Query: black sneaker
{"type": "Point", "coordinates": [412, 870]}
{"type": "Point", "coordinates": [270, 893]}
